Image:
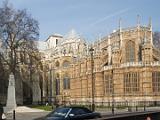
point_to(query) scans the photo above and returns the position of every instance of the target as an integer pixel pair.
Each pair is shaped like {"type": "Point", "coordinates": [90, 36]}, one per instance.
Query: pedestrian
{"type": "Point", "coordinates": [46, 103]}
{"type": "Point", "coordinates": [148, 118]}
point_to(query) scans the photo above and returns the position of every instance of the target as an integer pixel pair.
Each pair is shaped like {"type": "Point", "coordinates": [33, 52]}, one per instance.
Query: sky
{"type": "Point", "coordinates": [91, 19]}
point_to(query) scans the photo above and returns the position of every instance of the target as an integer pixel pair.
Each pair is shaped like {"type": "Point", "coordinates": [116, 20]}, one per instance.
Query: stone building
{"type": "Point", "coordinates": [126, 68]}
{"type": "Point", "coordinates": [57, 55]}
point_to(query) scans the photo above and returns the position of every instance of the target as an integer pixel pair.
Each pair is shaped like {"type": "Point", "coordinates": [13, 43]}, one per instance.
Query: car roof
{"type": "Point", "coordinates": [74, 107]}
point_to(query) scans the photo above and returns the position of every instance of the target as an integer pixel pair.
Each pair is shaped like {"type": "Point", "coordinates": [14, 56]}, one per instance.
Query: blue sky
{"type": "Point", "coordinates": [90, 18]}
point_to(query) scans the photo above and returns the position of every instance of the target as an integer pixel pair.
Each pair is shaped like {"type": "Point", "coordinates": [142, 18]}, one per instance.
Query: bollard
{"type": "Point", "coordinates": [14, 115]}
{"type": "Point", "coordinates": [112, 111]}
{"type": "Point", "coordinates": [136, 108]}
{"type": "Point", "coordinates": [144, 107]}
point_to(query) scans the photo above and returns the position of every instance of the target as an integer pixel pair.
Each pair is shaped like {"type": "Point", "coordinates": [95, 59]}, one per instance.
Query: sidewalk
{"type": "Point", "coordinates": [107, 112]}
{"type": "Point", "coordinates": [26, 113]}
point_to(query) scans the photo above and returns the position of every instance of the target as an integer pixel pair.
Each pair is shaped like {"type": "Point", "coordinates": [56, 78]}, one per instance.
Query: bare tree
{"type": "Point", "coordinates": [18, 30]}
{"type": "Point", "coordinates": [18, 33]}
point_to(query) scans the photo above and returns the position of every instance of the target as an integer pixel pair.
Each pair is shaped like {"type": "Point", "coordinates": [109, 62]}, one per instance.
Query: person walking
{"type": "Point", "coordinates": [148, 118]}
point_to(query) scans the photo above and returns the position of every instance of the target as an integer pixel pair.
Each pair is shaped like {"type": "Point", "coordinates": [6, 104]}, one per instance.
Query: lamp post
{"type": "Point", "coordinates": [113, 82]}
{"type": "Point", "coordinates": [31, 81]}
{"type": "Point", "coordinates": [91, 50]}
{"type": "Point", "coordinates": [50, 78]}
{"type": "Point", "coordinates": [50, 81]}
{"type": "Point", "coordinates": [144, 95]}
{"type": "Point", "coordinates": [41, 86]}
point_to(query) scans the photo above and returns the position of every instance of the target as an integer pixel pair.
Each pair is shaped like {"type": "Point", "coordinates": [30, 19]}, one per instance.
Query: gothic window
{"type": "Point", "coordinates": [66, 64]}
{"type": "Point", "coordinates": [66, 83]}
{"type": "Point", "coordinates": [108, 84]}
{"type": "Point", "coordinates": [56, 42]}
{"type": "Point", "coordinates": [57, 86]}
{"type": "Point", "coordinates": [57, 64]}
{"type": "Point", "coordinates": [131, 82]}
{"type": "Point", "coordinates": [64, 51]}
{"type": "Point", "coordinates": [130, 51]}
{"type": "Point", "coordinates": [156, 82]}
{"type": "Point", "coordinates": [140, 53]}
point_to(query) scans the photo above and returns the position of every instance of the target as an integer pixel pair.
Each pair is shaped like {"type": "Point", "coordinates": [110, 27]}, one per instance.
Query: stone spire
{"type": "Point", "coordinates": [138, 21]}
{"type": "Point", "coordinates": [120, 22]}
{"type": "Point", "coordinates": [145, 38]}
{"type": "Point", "coordinates": [120, 30]}
{"type": "Point", "coordinates": [109, 50]}
{"type": "Point", "coordinates": [72, 34]}
{"type": "Point", "coordinates": [150, 23]}
{"type": "Point", "coordinates": [150, 27]}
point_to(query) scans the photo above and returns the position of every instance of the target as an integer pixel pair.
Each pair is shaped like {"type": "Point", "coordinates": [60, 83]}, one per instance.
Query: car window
{"type": "Point", "coordinates": [87, 110]}
{"type": "Point", "coordinates": [60, 112]}
{"type": "Point", "coordinates": [79, 111]}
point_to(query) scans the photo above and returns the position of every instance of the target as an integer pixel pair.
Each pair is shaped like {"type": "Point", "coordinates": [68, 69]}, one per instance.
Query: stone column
{"type": "Point", "coordinates": [11, 99]}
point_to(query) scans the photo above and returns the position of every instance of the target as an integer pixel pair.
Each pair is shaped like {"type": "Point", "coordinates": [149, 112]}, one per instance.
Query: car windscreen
{"type": "Point", "coordinates": [60, 112]}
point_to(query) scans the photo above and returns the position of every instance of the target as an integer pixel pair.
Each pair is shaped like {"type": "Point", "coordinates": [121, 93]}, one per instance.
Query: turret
{"type": "Point", "coordinates": [109, 50]}
{"type": "Point", "coordinates": [146, 48]}
{"type": "Point", "coordinates": [138, 21]}
{"type": "Point", "coordinates": [120, 32]}
{"type": "Point", "coordinates": [150, 27]}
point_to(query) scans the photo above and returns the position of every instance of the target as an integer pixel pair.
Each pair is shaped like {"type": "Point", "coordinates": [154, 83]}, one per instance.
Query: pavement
{"type": "Point", "coordinates": [26, 113]}
{"type": "Point", "coordinates": [121, 111]}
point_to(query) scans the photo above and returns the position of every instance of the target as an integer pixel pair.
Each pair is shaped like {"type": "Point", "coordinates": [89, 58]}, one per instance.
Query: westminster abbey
{"type": "Point", "coordinates": [124, 66]}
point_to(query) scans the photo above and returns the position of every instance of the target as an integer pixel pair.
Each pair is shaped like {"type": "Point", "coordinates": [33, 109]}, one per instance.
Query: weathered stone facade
{"type": "Point", "coordinates": [126, 68]}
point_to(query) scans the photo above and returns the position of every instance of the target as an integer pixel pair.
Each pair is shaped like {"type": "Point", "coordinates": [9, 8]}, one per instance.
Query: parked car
{"type": "Point", "coordinates": [71, 113]}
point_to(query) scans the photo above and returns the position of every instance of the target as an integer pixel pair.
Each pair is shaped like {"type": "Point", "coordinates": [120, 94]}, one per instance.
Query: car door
{"type": "Point", "coordinates": [87, 114]}
{"type": "Point", "coordinates": [80, 114]}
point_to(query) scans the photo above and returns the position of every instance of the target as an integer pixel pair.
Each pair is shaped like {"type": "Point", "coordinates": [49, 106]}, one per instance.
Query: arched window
{"type": "Point", "coordinates": [57, 64]}
{"type": "Point", "coordinates": [66, 83]}
{"type": "Point", "coordinates": [66, 64]}
{"type": "Point", "coordinates": [130, 51]}
{"type": "Point", "coordinates": [57, 84]}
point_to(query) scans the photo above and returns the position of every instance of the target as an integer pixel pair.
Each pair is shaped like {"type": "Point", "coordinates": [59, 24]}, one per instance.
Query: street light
{"type": "Point", "coordinates": [91, 50]}
{"type": "Point", "coordinates": [31, 80]}
{"type": "Point", "coordinates": [50, 78]}
{"type": "Point", "coordinates": [144, 95]}
{"type": "Point", "coordinates": [113, 82]}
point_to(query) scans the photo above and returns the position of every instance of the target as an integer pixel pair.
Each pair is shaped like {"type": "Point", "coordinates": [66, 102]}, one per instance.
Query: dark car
{"type": "Point", "coordinates": [71, 113]}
